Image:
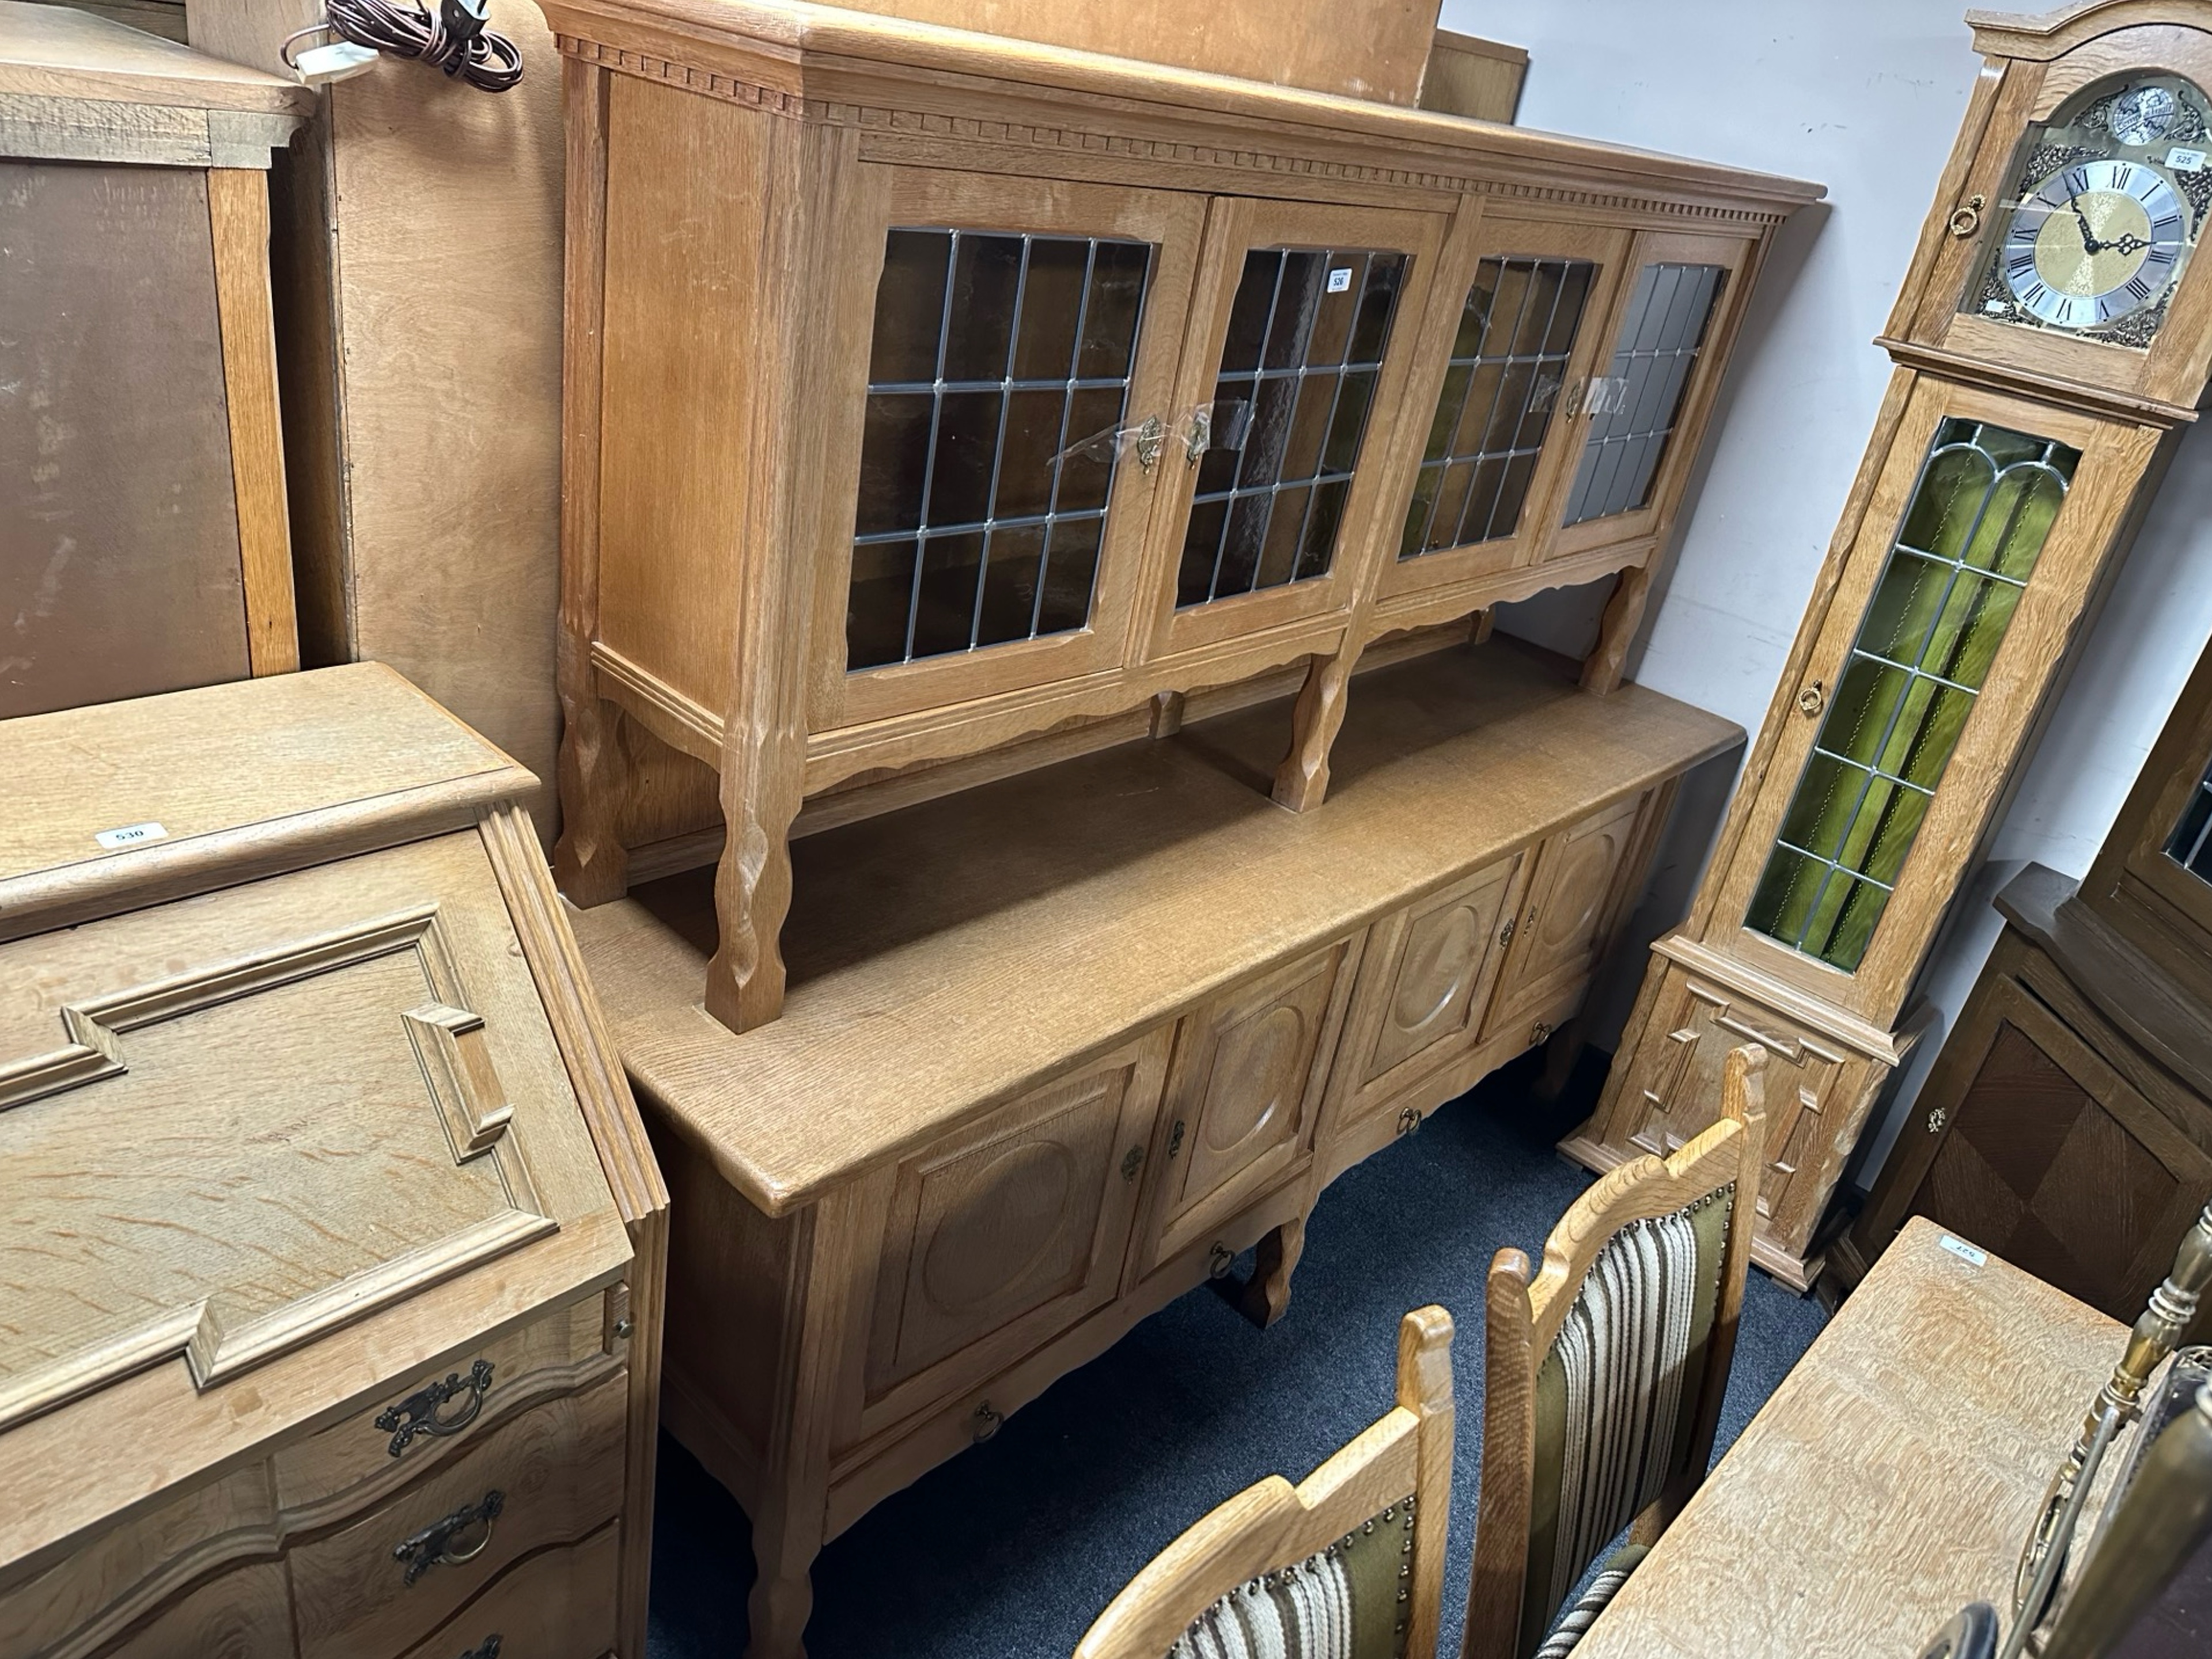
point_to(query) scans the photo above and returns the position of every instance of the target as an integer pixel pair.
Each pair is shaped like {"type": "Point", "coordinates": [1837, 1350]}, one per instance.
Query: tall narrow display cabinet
{"type": "Point", "coordinates": [2053, 334]}
{"type": "Point", "coordinates": [989, 462]}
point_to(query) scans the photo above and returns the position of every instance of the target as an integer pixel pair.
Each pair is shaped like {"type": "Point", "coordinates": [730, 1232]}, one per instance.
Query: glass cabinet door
{"type": "Point", "coordinates": [1020, 336]}
{"type": "Point", "coordinates": [1301, 335]}
{"type": "Point", "coordinates": [1636, 427]}
{"type": "Point", "coordinates": [1974, 554]}
{"type": "Point", "coordinates": [1513, 330]}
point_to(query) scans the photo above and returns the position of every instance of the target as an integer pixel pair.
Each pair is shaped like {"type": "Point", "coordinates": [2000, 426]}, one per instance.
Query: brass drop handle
{"type": "Point", "coordinates": [985, 1423]}
{"type": "Point", "coordinates": [439, 1543]}
{"type": "Point", "coordinates": [418, 1415]}
{"type": "Point", "coordinates": [1539, 1033]}
{"type": "Point", "coordinates": [1966, 220]}
{"type": "Point", "coordinates": [1219, 1260]}
{"type": "Point", "coordinates": [1812, 699]}
{"type": "Point", "coordinates": [1409, 1120]}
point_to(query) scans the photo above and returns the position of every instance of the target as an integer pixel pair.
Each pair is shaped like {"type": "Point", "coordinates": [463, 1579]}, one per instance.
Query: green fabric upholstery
{"type": "Point", "coordinates": [1349, 1602]}
{"type": "Point", "coordinates": [1553, 1512]}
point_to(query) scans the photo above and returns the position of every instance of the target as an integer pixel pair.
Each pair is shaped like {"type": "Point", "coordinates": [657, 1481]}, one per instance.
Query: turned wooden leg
{"type": "Point", "coordinates": [1302, 780]}
{"type": "Point", "coordinates": [590, 864]}
{"type": "Point", "coordinates": [1267, 1297]}
{"type": "Point", "coordinates": [1624, 614]}
{"type": "Point", "coordinates": [783, 1592]}
{"type": "Point", "coordinates": [1561, 1050]}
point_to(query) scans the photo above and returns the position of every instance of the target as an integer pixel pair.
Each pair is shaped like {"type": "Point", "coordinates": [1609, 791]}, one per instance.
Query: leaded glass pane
{"type": "Point", "coordinates": [1516, 331]}
{"type": "Point", "coordinates": [1634, 407]}
{"type": "Point", "coordinates": [1976, 522]}
{"type": "Point", "coordinates": [997, 377]}
{"type": "Point", "coordinates": [1307, 331]}
{"type": "Point", "coordinates": [2190, 844]}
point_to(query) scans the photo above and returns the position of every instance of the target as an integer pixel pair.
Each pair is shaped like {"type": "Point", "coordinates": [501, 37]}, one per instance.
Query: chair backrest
{"type": "Point", "coordinates": [1349, 1562]}
{"type": "Point", "coordinates": [1603, 1374]}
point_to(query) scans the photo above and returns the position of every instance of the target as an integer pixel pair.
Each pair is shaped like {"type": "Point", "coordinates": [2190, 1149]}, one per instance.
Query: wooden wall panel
{"type": "Point", "coordinates": [118, 531]}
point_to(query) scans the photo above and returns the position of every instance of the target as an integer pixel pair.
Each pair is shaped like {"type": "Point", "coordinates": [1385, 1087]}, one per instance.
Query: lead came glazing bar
{"type": "Point", "coordinates": [999, 378]}
{"type": "Point", "coordinates": [1660, 343]}
{"type": "Point", "coordinates": [1979, 516]}
{"type": "Point", "coordinates": [2190, 845]}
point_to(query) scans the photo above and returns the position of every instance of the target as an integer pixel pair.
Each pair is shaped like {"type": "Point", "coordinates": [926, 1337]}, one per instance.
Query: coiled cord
{"type": "Point", "coordinates": [452, 37]}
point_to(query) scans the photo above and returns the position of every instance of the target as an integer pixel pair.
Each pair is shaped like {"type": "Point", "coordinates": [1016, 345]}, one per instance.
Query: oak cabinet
{"type": "Point", "coordinates": [1572, 901]}
{"type": "Point", "coordinates": [334, 1242]}
{"type": "Point", "coordinates": [1063, 390]}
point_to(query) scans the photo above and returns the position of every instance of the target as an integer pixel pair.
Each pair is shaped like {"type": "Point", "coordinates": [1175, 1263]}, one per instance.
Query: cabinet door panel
{"type": "Point", "coordinates": [1573, 897]}
{"type": "Point", "coordinates": [996, 509]}
{"type": "Point", "coordinates": [1244, 1093]}
{"type": "Point", "coordinates": [1300, 345]}
{"type": "Point", "coordinates": [1514, 327]}
{"type": "Point", "coordinates": [1003, 1235]}
{"type": "Point", "coordinates": [1634, 433]}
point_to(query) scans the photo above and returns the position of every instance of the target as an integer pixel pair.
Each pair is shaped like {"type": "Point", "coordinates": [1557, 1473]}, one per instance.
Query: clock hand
{"type": "Point", "coordinates": [2089, 242]}
{"type": "Point", "coordinates": [2128, 243]}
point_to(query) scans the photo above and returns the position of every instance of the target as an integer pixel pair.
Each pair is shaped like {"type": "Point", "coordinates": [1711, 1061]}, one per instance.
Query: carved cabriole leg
{"type": "Point", "coordinates": [803, 175]}
{"type": "Point", "coordinates": [589, 860]}
{"type": "Point", "coordinates": [1302, 780]}
{"type": "Point", "coordinates": [1266, 1298]}
{"type": "Point", "coordinates": [1624, 614]}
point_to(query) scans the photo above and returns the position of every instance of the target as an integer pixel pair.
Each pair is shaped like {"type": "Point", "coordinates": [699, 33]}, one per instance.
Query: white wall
{"type": "Point", "coordinates": [1865, 98]}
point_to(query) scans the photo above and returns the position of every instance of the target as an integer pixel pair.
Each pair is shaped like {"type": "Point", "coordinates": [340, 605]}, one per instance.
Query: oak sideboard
{"type": "Point", "coordinates": [331, 1243]}
{"type": "Point", "coordinates": [929, 393]}
{"type": "Point", "coordinates": [1061, 1047]}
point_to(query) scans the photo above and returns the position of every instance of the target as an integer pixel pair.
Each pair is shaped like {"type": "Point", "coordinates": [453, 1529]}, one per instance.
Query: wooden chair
{"type": "Point", "coordinates": [1353, 1555]}
{"type": "Point", "coordinates": [1603, 1377]}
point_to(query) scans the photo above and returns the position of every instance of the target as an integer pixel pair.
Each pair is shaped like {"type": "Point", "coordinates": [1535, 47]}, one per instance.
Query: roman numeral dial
{"type": "Point", "coordinates": [2094, 242]}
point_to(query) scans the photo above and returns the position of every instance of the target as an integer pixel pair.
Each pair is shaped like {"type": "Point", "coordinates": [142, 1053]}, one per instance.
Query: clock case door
{"type": "Point", "coordinates": [849, 692]}
{"type": "Point", "coordinates": [1971, 210]}
{"type": "Point", "coordinates": [1964, 794]}
{"type": "Point", "coordinates": [1311, 608]}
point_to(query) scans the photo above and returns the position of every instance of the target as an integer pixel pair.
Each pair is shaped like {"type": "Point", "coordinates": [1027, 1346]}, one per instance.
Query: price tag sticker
{"type": "Point", "coordinates": [130, 835]}
{"type": "Point", "coordinates": [1340, 280]}
{"type": "Point", "coordinates": [1966, 1252]}
{"type": "Point", "coordinates": [2185, 160]}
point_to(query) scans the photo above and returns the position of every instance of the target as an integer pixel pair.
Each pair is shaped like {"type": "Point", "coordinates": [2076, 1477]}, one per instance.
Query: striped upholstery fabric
{"type": "Point", "coordinates": [1590, 1603]}
{"type": "Point", "coordinates": [1616, 1399]}
{"type": "Point", "coordinates": [1349, 1602]}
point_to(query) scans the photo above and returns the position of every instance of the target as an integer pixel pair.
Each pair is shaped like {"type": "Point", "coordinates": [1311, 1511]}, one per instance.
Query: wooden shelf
{"type": "Point", "coordinates": [946, 956]}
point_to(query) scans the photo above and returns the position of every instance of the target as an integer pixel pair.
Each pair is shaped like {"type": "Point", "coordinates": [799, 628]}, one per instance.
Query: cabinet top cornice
{"type": "Point", "coordinates": [823, 63]}
{"type": "Point", "coordinates": [2041, 36]}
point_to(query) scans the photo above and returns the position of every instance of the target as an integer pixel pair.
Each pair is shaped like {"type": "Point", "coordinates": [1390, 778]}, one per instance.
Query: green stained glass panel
{"type": "Point", "coordinates": [1977, 520]}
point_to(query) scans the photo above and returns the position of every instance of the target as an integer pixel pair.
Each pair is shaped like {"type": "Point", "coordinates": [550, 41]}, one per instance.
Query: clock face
{"type": "Point", "coordinates": [2107, 201]}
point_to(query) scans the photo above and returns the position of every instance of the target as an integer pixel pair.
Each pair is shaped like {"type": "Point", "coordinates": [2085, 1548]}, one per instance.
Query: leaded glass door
{"type": "Point", "coordinates": [1302, 331]}
{"type": "Point", "coordinates": [997, 485]}
{"type": "Point", "coordinates": [1635, 428]}
{"type": "Point", "coordinates": [1965, 578]}
{"type": "Point", "coordinates": [1513, 333]}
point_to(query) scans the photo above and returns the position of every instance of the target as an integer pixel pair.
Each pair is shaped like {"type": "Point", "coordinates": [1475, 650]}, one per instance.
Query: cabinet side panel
{"type": "Point", "coordinates": [682, 271]}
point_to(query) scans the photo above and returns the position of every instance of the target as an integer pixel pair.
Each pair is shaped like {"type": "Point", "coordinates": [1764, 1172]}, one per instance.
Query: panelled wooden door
{"type": "Point", "coordinates": [997, 491]}
{"type": "Point", "coordinates": [1571, 897]}
{"type": "Point", "coordinates": [1516, 325]}
{"type": "Point", "coordinates": [1003, 1235]}
{"type": "Point", "coordinates": [1244, 1093]}
{"type": "Point", "coordinates": [1302, 330]}
{"type": "Point", "coordinates": [1633, 434]}
{"type": "Point", "coordinates": [1990, 515]}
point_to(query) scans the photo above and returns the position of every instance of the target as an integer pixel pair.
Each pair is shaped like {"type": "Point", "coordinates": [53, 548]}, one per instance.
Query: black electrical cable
{"type": "Point", "coordinates": [452, 37]}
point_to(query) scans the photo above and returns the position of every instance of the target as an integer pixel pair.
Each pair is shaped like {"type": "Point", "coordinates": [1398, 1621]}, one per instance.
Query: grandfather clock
{"type": "Point", "coordinates": [2053, 332]}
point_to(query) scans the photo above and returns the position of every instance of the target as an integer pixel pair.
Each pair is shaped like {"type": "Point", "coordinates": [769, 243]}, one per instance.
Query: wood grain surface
{"type": "Point", "coordinates": [1891, 1479]}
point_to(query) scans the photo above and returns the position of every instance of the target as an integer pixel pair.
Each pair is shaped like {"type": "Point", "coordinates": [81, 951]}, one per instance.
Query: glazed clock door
{"type": "Point", "coordinates": [1994, 515]}
{"type": "Point", "coordinates": [1635, 430]}
{"type": "Point", "coordinates": [1021, 334]}
{"type": "Point", "coordinates": [1515, 322]}
{"type": "Point", "coordinates": [2067, 249]}
{"type": "Point", "coordinates": [1301, 335]}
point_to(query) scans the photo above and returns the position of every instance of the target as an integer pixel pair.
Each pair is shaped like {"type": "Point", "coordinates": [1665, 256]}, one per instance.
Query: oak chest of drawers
{"type": "Point", "coordinates": [330, 1246]}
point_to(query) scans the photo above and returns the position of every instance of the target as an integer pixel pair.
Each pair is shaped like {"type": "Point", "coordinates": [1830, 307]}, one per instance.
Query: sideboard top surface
{"type": "Point", "coordinates": [856, 69]}
{"type": "Point", "coordinates": [248, 776]}
{"type": "Point", "coordinates": [56, 52]}
{"type": "Point", "coordinates": [946, 956]}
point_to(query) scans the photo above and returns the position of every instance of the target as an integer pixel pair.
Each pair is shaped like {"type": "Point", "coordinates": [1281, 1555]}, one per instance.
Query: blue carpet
{"type": "Point", "coordinates": [1010, 1550]}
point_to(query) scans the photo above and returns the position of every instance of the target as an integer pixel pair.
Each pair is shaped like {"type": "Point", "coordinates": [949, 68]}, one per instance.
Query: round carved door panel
{"type": "Point", "coordinates": [1014, 1211]}
{"type": "Point", "coordinates": [1433, 995]}
{"type": "Point", "coordinates": [1258, 1073]}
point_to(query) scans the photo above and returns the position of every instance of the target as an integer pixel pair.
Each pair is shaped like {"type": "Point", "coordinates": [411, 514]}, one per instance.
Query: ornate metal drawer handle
{"type": "Point", "coordinates": [1409, 1120]}
{"type": "Point", "coordinates": [418, 1412]}
{"type": "Point", "coordinates": [487, 1649]}
{"type": "Point", "coordinates": [434, 1545]}
{"type": "Point", "coordinates": [985, 1423]}
{"type": "Point", "coordinates": [1219, 1260]}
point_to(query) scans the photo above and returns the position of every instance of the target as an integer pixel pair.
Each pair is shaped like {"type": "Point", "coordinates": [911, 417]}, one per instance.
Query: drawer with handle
{"type": "Point", "coordinates": [549, 1477]}
{"type": "Point", "coordinates": [429, 1418]}
{"type": "Point", "coordinates": [559, 1604]}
